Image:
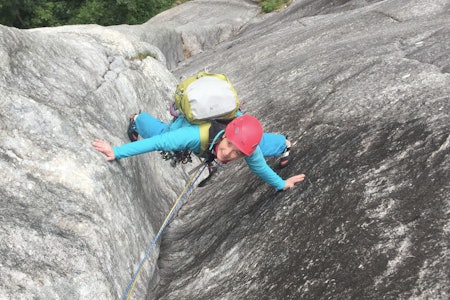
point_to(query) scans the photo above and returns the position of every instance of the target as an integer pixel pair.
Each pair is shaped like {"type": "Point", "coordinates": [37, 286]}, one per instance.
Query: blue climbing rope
{"type": "Point", "coordinates": [189, 186]}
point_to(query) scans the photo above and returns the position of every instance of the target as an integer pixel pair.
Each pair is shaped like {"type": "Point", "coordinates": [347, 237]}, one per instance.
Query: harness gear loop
{"type": "Point", "coordinates": [176, 157]}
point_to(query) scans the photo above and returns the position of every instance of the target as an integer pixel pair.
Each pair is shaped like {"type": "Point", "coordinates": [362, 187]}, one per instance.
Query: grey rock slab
{"type": "Point", "coordinates": [362, 89]}
{"type": "Point", "coordinates": [193, 27]}
{"type": "Point", "coordinates": [73, 225]}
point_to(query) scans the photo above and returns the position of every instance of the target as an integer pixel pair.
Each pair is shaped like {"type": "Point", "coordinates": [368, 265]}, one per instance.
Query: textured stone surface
{"type": "Point", "coordinates": [364, 90]}
{"type": "Point", "coordinates": [193, 27]}
{"type": "Point", "coordinates": [362, 87]}
{"type": "Point", "coordinates": [73, 226]}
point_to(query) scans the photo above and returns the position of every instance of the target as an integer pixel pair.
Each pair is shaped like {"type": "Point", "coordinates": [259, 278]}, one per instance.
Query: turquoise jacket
{"type": "Point", "coordinates": [181, 135]}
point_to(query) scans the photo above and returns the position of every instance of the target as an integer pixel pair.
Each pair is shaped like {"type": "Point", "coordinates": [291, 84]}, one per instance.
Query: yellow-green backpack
{"type": "Point", "coordinates": [205, 97]}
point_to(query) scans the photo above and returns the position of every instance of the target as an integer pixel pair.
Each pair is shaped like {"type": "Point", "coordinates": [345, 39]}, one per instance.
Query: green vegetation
{"type": "Point", "coordinates": [268, 6]}
{"type": "Point", "coordinates": [142, 56]}
{"type": "Point", "coordinates": [46, 13]}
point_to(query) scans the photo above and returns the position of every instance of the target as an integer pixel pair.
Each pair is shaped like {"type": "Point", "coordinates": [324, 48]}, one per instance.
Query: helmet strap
{"type": "Point", "coordinates": [218, 135]}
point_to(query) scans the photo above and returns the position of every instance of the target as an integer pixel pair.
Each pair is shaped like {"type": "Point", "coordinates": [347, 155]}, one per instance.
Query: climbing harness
{"type": "Point", "coordinates": [189, 186]}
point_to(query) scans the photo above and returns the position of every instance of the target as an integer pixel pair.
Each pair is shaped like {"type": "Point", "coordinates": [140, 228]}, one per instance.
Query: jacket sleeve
{"type": "Point", "coordinates": [258, 165]}
{"type": "Point", "coordinates": [180, 139]}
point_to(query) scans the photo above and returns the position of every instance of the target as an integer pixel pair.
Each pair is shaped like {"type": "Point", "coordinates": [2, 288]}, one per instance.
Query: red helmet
{"type": "Point", "coordinates": [244, 132]}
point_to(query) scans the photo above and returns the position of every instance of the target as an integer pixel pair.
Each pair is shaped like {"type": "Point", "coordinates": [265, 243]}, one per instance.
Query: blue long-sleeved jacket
{"type": "Point", "coordinates": [183, 135]}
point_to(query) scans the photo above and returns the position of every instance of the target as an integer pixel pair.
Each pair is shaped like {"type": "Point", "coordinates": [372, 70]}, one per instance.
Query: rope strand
{"type": "Point", "coordinates": [129, 290]}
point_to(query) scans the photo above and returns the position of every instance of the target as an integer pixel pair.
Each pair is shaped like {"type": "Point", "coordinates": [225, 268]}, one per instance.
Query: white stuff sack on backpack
{"type": "Point", "coordinates": [210, 97]}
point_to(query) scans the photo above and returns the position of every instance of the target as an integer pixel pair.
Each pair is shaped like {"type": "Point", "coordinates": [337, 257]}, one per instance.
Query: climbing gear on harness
{"type": "Point", "coordinates": [177, 157]}
{"type": "Point", "coordinates": [132, 132]}
{"type": "Point", "coordinates": [189, 186]}
{"type": "Point", "coordinates": [244, 132]}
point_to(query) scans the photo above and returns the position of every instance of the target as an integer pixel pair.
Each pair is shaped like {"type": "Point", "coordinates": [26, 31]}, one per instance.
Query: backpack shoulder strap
{"type": "Point", "coordinates": [204, 137]}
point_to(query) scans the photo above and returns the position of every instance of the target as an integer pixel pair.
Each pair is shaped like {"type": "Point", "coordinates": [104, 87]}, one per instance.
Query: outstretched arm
{"type": "Point", "coordinates": [180, 139]}
{"type": "Point", "coordinates": [258, 165]}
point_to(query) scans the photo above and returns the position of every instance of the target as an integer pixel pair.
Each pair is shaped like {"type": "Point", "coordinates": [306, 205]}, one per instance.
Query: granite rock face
{"type": "Point", "coordinates": [193, 27]}
{"type": "Point", "coordinates": [73, 226]}
{"type": "Point", "coordinates": [361, 87]}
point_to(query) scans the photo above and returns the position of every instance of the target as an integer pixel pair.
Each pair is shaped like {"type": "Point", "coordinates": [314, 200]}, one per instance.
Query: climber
{"type": "Point", "coordinates": [243, 137]}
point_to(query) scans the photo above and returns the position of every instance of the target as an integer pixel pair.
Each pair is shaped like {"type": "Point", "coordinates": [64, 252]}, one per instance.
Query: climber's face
{"type": "Point", "coordinates": [226, 151]}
